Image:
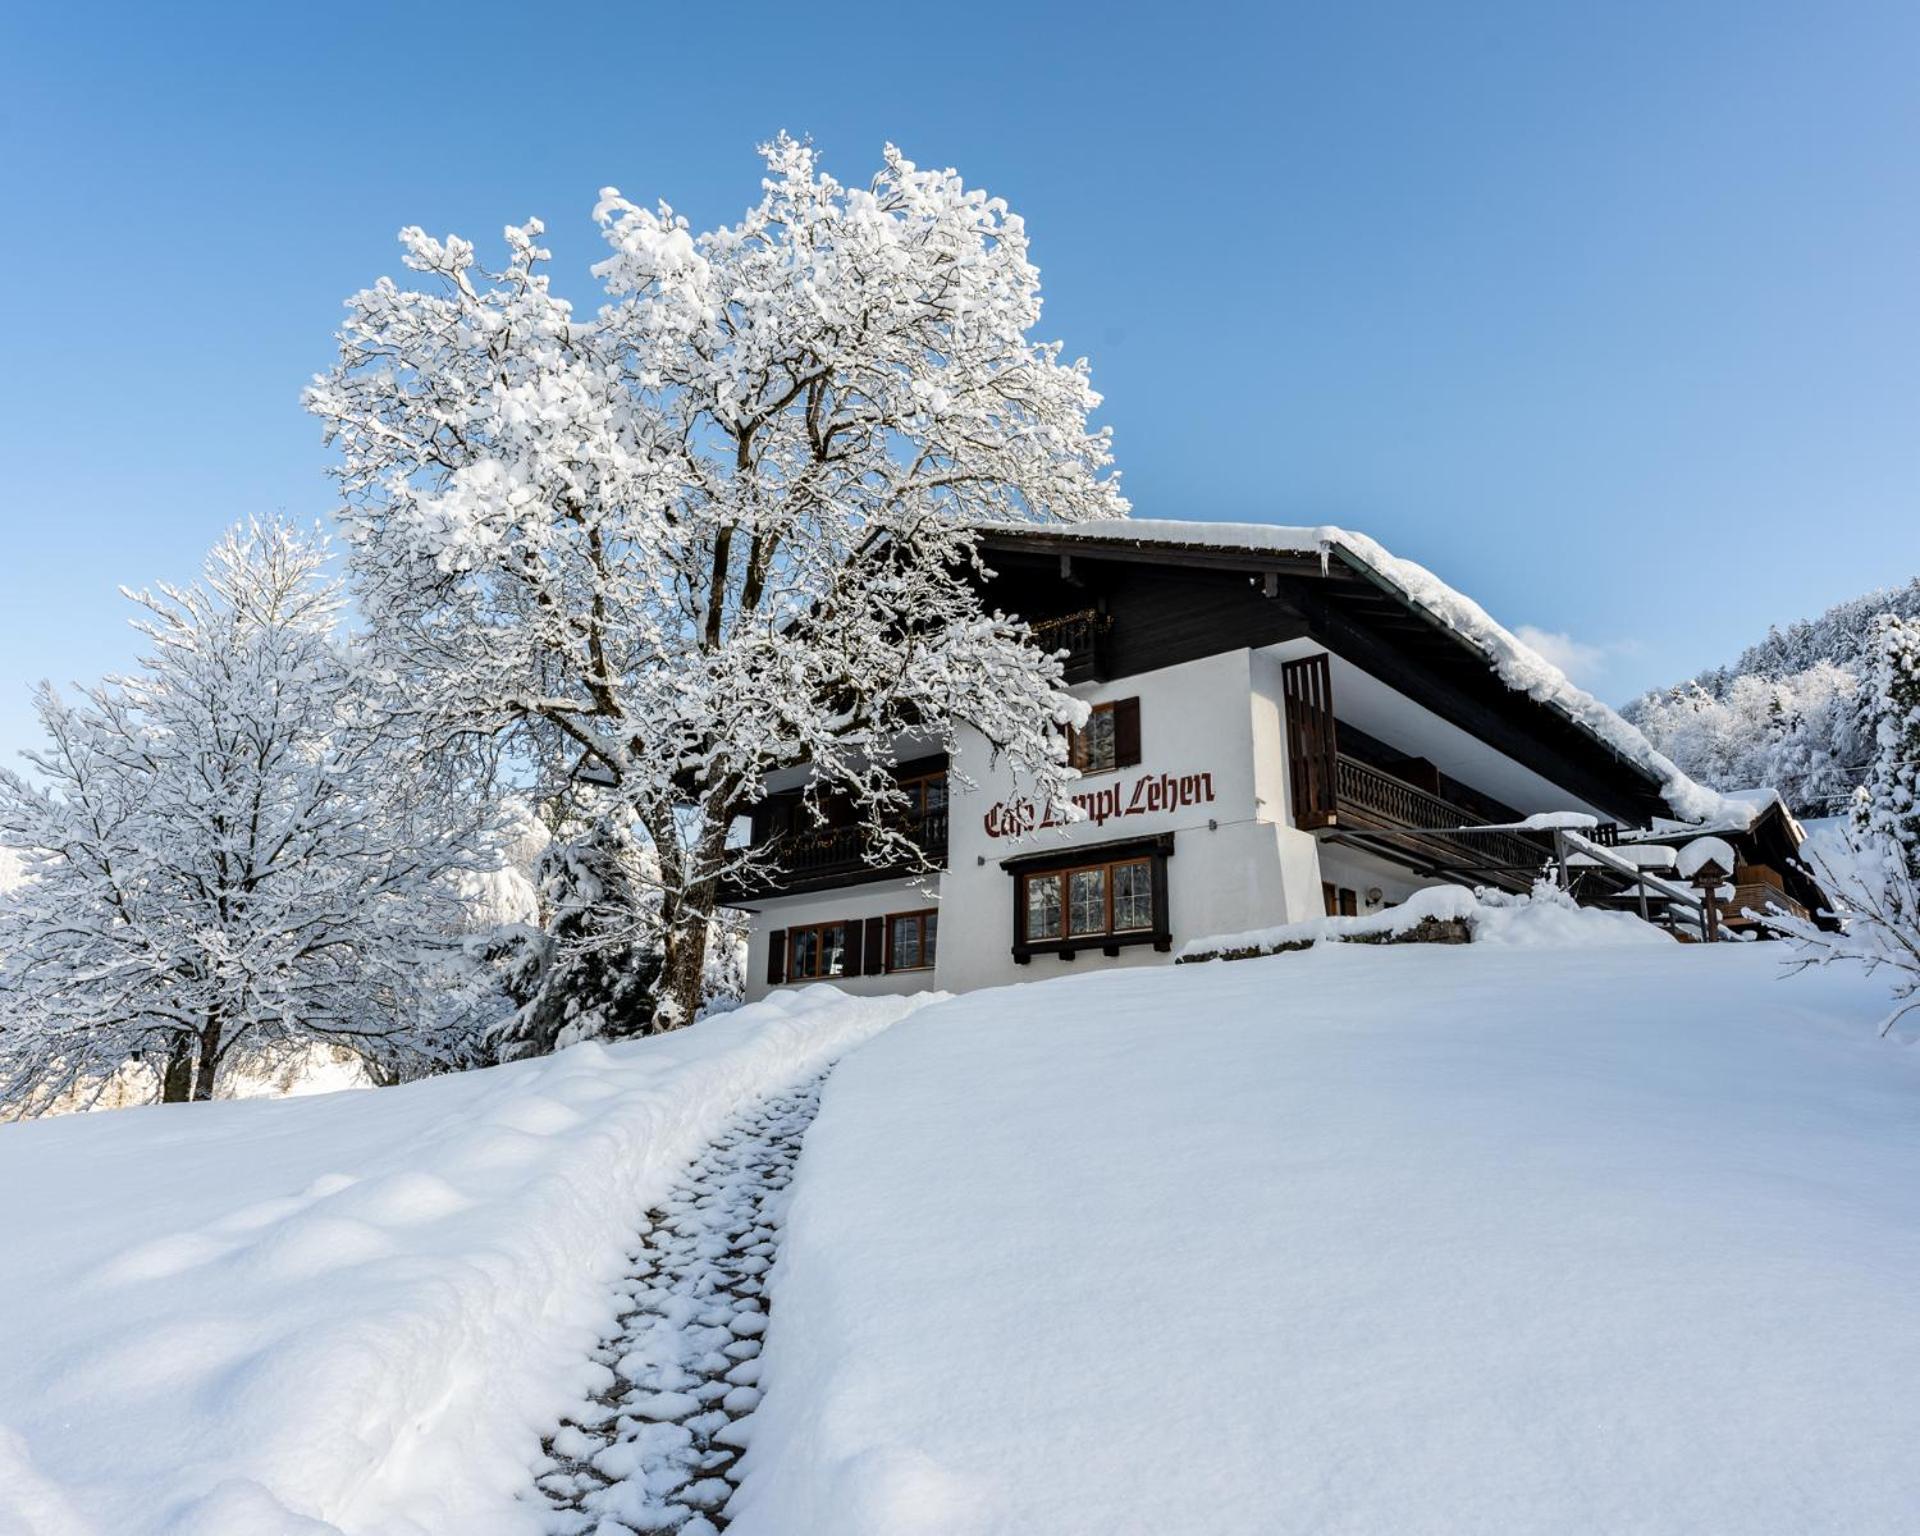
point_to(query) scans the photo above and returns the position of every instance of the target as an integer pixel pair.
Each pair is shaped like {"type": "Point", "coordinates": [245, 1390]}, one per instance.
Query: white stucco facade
{"type": "Point", "coordinates": [1212, 773]}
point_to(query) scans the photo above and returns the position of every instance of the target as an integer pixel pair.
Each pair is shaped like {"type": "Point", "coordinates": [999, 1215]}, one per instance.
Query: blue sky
{"type": "Point", "coordinates": [1611, 315]}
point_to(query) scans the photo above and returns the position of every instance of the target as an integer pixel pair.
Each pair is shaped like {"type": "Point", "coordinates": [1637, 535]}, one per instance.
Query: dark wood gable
{"type": "Point", "coordinates": [1165, 604]}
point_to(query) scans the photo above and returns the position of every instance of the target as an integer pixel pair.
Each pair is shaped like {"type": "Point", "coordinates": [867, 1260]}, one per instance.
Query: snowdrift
{"type": "Point", "coordinates": [356, 1312]}
{"type": "Point", "coordinates": [1477, 1239]}
{"type": "Point", "coordinates": [1545, 918]}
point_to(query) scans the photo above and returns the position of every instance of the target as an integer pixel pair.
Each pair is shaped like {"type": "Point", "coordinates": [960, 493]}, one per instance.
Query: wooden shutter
{"type": "Point", "coordinates": [776, 957]}
{"type": "Point", "coordinates": [850, 962]}
{"type": "Point", "coordinates": [1126, 733]}
{"type": "Point", "coordinates": [1313, 749]}
{"type": "Point", "coordinates": [876, 946]}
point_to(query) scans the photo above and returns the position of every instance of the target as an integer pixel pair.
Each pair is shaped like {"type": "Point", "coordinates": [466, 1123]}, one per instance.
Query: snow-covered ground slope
{"type": "Point", "coordinates": [1383, 1240]}
{"type": "Point", "coordinates": [356, 1312]}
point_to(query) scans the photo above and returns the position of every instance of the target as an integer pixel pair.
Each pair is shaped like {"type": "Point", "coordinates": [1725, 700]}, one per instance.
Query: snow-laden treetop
{"type": "Point", "coordinates": [1516, 663]}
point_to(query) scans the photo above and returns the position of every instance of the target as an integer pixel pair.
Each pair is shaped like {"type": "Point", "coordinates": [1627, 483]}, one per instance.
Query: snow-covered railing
{"type": "Point", "coordinates": [1570, 842]}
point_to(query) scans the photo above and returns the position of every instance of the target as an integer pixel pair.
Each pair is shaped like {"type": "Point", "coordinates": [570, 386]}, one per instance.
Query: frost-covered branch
{"type": "Point", "coordinates": [725, 525]}
{"type": "Point", "coordinates": [229, 850]}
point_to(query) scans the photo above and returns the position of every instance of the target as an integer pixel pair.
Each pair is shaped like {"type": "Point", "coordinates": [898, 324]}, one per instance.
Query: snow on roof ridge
{"type": "Point", "coordinates": [1516, 663]}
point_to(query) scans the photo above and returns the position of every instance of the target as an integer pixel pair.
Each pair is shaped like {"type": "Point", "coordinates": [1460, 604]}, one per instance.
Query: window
{"type": "Point", "coordinates": [1095, 900]}
{"type": "Point", "coordinates": [1110, 739]}
{"type": "Point", "coordinates": [1101, 898]}
{"type": "Point", "coordinates": [1043, 906]}
{"type": "Point", "coordinates": [1132, 896]}
{"type": "Point", "coordinates": [1087, 901]}
{"type": "Point", "coordinates": [1091, 748]}
{"type": "Point", "coordinates": [911, 940]}
{"type": "Point", "coordinates": [926, 795]}
{"type": "Point", "coordinates": [816, 952]}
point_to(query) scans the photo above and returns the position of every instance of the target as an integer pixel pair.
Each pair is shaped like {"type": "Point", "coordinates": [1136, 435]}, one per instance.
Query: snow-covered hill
{"type": "Point", "coordinates": [1513, 1238]}
{"type": "Point", "coordinates": [1790, 714]}
{"type": "Point", "coordinates": [1376, 1241]}
{"type": "Point", "coordinates": [362, 1309]}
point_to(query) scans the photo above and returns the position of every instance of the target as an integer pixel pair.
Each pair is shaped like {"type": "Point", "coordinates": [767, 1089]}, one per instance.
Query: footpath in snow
{"type": "Point", "coordinates": [659, 1446]}
{"type": "Point", "coordinates": [1483, 1240]}
{"type": "Point", "coordinates": [359, 1312]}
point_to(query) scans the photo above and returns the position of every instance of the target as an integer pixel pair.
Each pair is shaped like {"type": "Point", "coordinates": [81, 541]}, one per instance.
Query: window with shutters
{"type": "Point", "coordinates": [1110, 739]}
{"type": "Point", "coordinates": [911, 940]}
{"type": "Point", "coordinates": [1090, 748]}
{"type": "Point", "coordinates": [816, 951]}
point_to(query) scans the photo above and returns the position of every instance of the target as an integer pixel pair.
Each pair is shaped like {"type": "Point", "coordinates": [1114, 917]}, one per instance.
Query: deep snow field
{"type": "Point", "coordinates": [364, 1307]}
{"type": "Point", "coordinates": [1478, 1240]}
{"type": "Point", "coordinates": [1554, 1237]}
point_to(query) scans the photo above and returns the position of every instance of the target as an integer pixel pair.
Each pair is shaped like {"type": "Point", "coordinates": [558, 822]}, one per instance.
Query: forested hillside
{"type": "Point", "coordinates": [1790, 712]}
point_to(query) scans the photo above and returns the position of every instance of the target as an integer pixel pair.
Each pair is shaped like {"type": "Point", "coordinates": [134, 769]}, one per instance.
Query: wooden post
{"type": "Point", "coordinates": [1560, 853]}
{"type": "Point", "coordinates": [1708, 879]}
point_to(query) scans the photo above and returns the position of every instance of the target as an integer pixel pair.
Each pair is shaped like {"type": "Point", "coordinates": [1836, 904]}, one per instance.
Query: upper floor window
{"type": "Point", "coordinates": [926, 795]}
{"type": "Point", "coordinates": [1110, 739]}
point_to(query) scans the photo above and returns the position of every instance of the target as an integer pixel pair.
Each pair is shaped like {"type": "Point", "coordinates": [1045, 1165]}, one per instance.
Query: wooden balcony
{"type": "Point", "coordinates": [1083, 636]}
{"type": "Point", "coordinates": [1407, 821]}
{"type": "Point", "coordinates": [1337, 795]}
{"type": "Point", "coordinates": [818, 858]}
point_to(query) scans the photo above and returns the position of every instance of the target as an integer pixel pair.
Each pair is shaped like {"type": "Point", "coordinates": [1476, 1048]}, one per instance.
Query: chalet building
{"type": "Point", "coordinates": [1285, 723]}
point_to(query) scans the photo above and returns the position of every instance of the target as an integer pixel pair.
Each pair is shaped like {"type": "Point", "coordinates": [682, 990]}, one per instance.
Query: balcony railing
{"type": "Point", "coordinates": [816, 852]}
{"type": "Point", "coordinates": [1367, 800]}
{"type": "Point", "coordinates": [1759, 896]}
{"type": "Point", "coordinates": [1082, 635]}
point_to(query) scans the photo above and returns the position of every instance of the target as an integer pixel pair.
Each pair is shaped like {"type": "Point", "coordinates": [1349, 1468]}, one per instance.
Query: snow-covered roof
{"type": "Point", "coordinates": [1739, 810]}
{"type": "Point", "coordinates": [1516, 663]}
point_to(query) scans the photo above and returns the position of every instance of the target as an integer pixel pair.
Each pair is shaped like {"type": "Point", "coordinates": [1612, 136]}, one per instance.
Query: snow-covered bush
{"type": "Point", "coordinates": [230, 853]}
{"type": "Point", "coordinates": [1876, 876]}
{"type": "Point", "coordinates": [587, 964]}
{"type": "Point", "coordinates": [724, 525]}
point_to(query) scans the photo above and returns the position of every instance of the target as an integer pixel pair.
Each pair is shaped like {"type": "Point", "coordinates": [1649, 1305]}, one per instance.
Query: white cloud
{"type": "Point", "coordinates": [1576, 658]}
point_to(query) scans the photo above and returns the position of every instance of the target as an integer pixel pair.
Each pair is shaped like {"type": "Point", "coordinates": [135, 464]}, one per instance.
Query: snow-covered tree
{"type": "Point", "coordinates": [228, 851]}
{"type": "Point", "coordinates": [1791, 713]}
{"type": "Point", "coordinates": [1804, 733]}
{"type": "Point", "coordinates": [585, 961]}
{"type": "Point", "coordinates": [1877, 878]}
{"type": "Point", "coordinates": [724, 525]}
{"type": "Point", "coordinates": [1889, 803]}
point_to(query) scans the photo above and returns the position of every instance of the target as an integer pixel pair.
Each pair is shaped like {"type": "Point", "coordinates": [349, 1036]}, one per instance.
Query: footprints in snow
{"type": "Point", "coordinates": [659, 1449]}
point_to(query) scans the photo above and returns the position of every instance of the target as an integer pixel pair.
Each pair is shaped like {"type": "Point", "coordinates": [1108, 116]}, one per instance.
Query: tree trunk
{"type": "Point", "coordinates": [683, 971]}
{"type": "Point", "coordinates": [176, 1076]}
{"type": "Point", "coordinates": [208, 1062]}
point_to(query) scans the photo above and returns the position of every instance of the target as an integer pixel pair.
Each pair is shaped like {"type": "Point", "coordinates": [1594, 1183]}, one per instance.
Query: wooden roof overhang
{"type": "Point", "coordinates": [1340, 602]}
